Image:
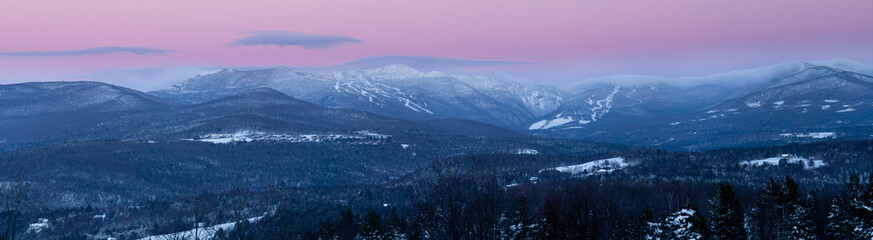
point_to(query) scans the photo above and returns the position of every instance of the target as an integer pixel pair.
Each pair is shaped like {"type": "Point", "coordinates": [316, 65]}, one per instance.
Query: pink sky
{"type": "Point", "coordinates": [565, 39]}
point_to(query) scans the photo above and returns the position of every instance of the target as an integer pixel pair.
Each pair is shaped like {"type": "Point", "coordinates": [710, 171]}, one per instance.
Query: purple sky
{"type": "Point", "coordinates": [562, 40]}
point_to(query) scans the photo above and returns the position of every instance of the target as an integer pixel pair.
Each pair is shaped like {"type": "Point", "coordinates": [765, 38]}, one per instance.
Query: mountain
{"type": "Point", "coordinates": [819, 102]}
{"type": "Point", "coordinates": [394, 90]}
{"type": "Point", "coordinates": [602, 109]}
{"type": "Point", "coordinates": [35, 98]}
{"type": "Point", "coordinates": [48, 112]}
{"type": "Point", "coordinates": [783, 103]}
{"type": "Point", "coordinates": [790, 102]}
{"type": "Point", "coordinates": [260, 109]}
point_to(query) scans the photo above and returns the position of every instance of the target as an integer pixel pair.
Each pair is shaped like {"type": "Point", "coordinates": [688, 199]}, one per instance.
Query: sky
{"type": "Point", "coordinates": [148, 45]}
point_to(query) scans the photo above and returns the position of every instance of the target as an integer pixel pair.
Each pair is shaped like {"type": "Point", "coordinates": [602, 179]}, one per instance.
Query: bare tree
{"type": "Point", "coordinates": [14, 195]}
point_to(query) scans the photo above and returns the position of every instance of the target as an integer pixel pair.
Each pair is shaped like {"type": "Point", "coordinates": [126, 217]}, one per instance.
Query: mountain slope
{"type": "Point", "coordinates": [768, 105]}
{"type": "Point", "coordinates": [820, 102]}
{"type": "Point", "coordinates": [615, 106]}
{"type": "Point", "coordinates": [813, 102]}
{"type": "Point", "coordinates": [47, 112]}
{"type": "Point", "coordinates": [261, 109]}
{"type": "Point", "coordinates": [34, 98]}
{"type": "Point", "coordinates": [392, 90]}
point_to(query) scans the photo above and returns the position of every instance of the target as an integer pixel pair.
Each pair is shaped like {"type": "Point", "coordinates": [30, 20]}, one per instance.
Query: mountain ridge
{"type": "Point", "coordinates": [394, 90]}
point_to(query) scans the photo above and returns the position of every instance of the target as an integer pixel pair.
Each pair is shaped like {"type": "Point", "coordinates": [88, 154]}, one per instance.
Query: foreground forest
{"type": "Point", "coordinates": [653, 194]}
{"type": "Point", "coordinates": [463, 208]}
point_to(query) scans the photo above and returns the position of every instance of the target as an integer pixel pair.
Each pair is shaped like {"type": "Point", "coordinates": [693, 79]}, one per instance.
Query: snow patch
{"type": "Point", "coordinates": [817, 135]}
{"type": "Point", "coordinates": [38, 226]}
{"type": "Point", "coordinates": [791, 159]}
{"type": "Point", "coordinates": [207, 232]}
{"type": "Point", "coordinates": [603, 105]}
{"type": "Point", "coordinates": [846, 110]}
{"type": "Point", "coordinates": [598, 166]}
{"type": "Point", "coordinates": [358, 138]}
{"type": "Point", "coordinates": [527, 151]}
{"type": "Point", "coordinates": [372, 134]}
{"type": "Point", "coordinates": [753, 104]}
{"type": "Point", "coordinates": [546, 124]}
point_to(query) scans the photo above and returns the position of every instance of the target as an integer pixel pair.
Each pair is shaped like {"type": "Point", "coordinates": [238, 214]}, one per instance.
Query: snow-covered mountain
{"type": "Point", "coordinates": [34, 98]}
{"type": "Point", "coordinates": [392, 90]}
{"type": "Point", "coordinates": [769, 105]}
{"type": "Point", "coordinates": [143, 117]}
{"type": "Point", "coordinates": [818, 102]}
{"type": "Point", "coordinates": [793, 102]}
{"type": "Point", "coordinates": [614, 106]}
{"type": "Point", "coordinates": [606, 103]}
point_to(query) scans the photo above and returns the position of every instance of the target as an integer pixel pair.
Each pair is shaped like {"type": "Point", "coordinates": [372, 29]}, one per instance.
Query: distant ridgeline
{"type": "Point", "coordinates": [785, 103]}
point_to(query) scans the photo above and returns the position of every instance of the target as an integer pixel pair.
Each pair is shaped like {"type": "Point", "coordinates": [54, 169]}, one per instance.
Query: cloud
{"type": "Point", "coordinates": [144, 79]}
{"type": "Point", "coordinates": [423, 63]}
{"type": "Point", "coordinates": [89, 51]}
{"type": "Point", "coordinates": [288, 38]}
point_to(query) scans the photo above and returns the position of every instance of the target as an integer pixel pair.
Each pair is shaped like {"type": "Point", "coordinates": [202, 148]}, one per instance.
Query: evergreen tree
{"type": "Point", "coordinates": [421, 225]}
{"type": "Point", "coordinates": [686, 224]}
{"type": "Point", "coordinates": [726, 214]}
{"type": "Point", "coordinates": [396, 228]}
{"type": "Point", "coordinates": [752, 224]}
{"type": "Point", "coordinates": [777, 201]}
{"type": "Point", "coordinates": [851, 213]}
{"type": "Point", "coordinates": [327, 231]}
{"type": "Point", "coordinates": [523, 220]}
{"type": "Point", "coordinates": [803, 217]}
{"type": "Point", "coordinates": [643, 224]}
{"type": "Point", "coordinates": [838, 226]}
{"type": "Point", "coordinates": [371, 225]}
{"type": "Point", "coordinates": [346, 225]}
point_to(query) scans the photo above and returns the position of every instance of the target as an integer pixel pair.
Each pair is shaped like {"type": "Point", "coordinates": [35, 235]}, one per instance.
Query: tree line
{"type": "Point", "coordinates": [464, 207]}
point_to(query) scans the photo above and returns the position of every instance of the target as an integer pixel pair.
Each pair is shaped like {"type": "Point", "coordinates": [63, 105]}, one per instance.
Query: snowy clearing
{"type": "Point", "coordinates": [527, 151]}
{"type": "Point", "coordinates": [598, 166]}
{"type": "Point", "coordinates": [816, 135]}
{"type": "Point", "coordinates": [362, 137]}
{"type": "Point", "coordinates": [200, 233]}
{"type": "Point", "coordinates": [774, 161]}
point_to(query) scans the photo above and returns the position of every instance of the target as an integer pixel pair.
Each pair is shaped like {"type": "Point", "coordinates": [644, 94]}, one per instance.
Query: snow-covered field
{"type": "Point", "coordinates": [598, 166]}
{"type": "Point", "coordinates": [201, 233]}
{"type": "Point", "coordinates": [527, 151]}
{"type": "Point", "coordinates": [38, 226]}
{"type": "Point", "coordinates": [774, 161]}
{"type": "Point", "coordinates": [362, 136]}
{"type": "Point", "coordinates": [816, 135]}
